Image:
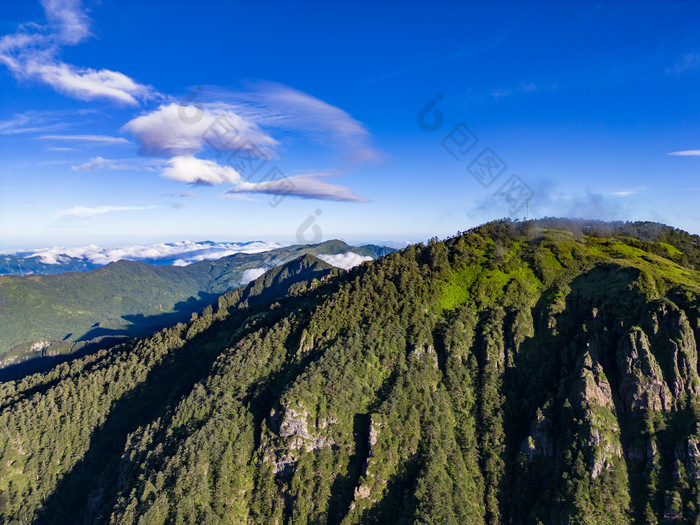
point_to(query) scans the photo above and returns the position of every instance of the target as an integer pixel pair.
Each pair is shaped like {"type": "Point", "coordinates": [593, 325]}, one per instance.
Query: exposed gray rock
{"type": "Point", "coordinates": [295, 428]}
{"type": "Point", "coordinates": [284, 465]}
{"type": "Point", "coordinates": [593, 387]}
{"type": "Point", "coordinates": [642, 385]}
{"type": "Point", "coordinates": [539, 442]}
{"type": "Point", "coordinates": [427, 350]}
{"type": "Point", "coordinates": [294, 424]}
{"type": "Point", "coordinates": [374, 428]}
{"type": "Point", "coordinates": [694, 457]}
{"type": "Point", "coordinates": [674, 343]}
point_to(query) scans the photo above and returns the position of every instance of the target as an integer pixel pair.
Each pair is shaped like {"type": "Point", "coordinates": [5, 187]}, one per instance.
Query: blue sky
{"type": "Point", "coordinates": [140, 121]}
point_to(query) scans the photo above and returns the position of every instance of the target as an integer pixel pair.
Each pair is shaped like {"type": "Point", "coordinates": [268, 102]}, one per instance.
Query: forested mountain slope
{"type": "Point", "coordinates": [44, 315]}
{"type": "Point", "coordinates": [519, 373]}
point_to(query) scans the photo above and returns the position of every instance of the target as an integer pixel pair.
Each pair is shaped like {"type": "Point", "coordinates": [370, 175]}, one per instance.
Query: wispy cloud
{"type": "Point", "coordinates": [182, 195]}
{"type": "Point", "coordinates": [688, 62]}
{"type": "Point", "coordinates": [523, 88]}
{"type": "Point", "coordinates": [38, 121]}
{"type": "Point", "coordinates": [625, 192]}
{"type": "Point", "coordinates": [550, 200]}
{"type": "Point", "coordinates": [32, 54]}
{"type": "Point", "coordinates": [239, 197]}
{"type": "Point", "coordinates": [83, 211]}
{"type": "Point", "coordinates": [101, 163]}
{"type": "Point", "coordinates": [25, 125]}
{"type": "Point", "coordinates": [686, 153]}
{"type": "Point", "coordinates": [584, 205]}
{"type": "Point", "coordinates": [66, 16]}
{"type": "Point", "coordinates": [279, 106]}
{"type": "Point", "coordinates": [307, 186]}
{"type": "Point", "coordinates": [228, 122]}
{"type": "Point", "coordinates": [101, 139]}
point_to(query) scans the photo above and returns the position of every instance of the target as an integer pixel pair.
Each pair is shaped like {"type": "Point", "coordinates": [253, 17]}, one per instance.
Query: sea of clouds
{"type": "Point", "coordinates": [179, 253]}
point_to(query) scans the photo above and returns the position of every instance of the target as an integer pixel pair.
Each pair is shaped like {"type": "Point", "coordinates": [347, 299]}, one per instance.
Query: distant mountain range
{"type": "Point", "coordinates": [46, 261]}
{"type": "Point", "coordinates": [518, 373]}
{"type": "Point", "coordinates": [55, 315]}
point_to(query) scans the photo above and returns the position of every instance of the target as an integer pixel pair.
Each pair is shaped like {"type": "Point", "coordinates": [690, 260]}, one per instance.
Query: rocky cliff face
{"type": "Point", "coordinates": [629, 419]}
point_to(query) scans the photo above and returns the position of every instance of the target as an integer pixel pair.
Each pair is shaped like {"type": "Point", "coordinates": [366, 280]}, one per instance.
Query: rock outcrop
{"type": "Point", "coordinates": [642, 384]}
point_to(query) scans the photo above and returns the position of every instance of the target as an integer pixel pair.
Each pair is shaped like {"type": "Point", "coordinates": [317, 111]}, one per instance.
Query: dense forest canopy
{"type": "Point", "coordinates": [79, 312]}
{"type": "Point", "coordinates": [521, 372]}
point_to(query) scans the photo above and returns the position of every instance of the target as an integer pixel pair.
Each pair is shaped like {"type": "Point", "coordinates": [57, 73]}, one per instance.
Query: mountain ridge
{"type": "Point", "coordinates": [123, 299]}
{"type": "Point", "coordinates": [516, 373]}
{"type": "Point", "coordinates": [53, 261]}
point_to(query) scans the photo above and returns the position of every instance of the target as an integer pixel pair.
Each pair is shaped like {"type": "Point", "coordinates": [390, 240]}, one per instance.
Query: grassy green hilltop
{"type": "Point", "coordinates": [539, 372]}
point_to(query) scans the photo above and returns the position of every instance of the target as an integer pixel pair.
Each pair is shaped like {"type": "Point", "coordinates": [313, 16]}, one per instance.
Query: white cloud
{"type": "Point", "coordinates": [89, 84]}
{"type": "Point", "coordinates": [686, 153]}
{"type": "Point", "coordinates": [100, 163]}
{"type": "Point", "coordinates": [62, 149]}
{"type": "Point", "coordinates": [173, 130]}
{"type": "Point", "coordinates": [625, 192]}
{"type": "Point", "coordinates": [190, 169]}
{"type": "Point", "coordinates": [40, 121]}
{"type": "Point", "coordinates": [99, 139]}
{"type": "Point", "coordinates": [65, 15]}
{"type": "Point", "coordinates": [231, 122]}
{"type": "Point", "coordinates": [179, 132]}
{"type": "Point", "coordinates": [345, 260]}
{"type": "Point", "coordinates": [307, 186]}
{"type": "Point", "coordinates": [251, 275]}
{"type": "Point", "coordinates": [279, 106]}
{"type": "Point", "coordinates": [32, 52]}
{"type": "Point", "coordinates": [185, 252]}
{"type": "Point", "coordinates": [83, 211]}
{"type": "Point", "coordinates": [28, 123]}
{"type": "Point", "coordinates": [238, 197]}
